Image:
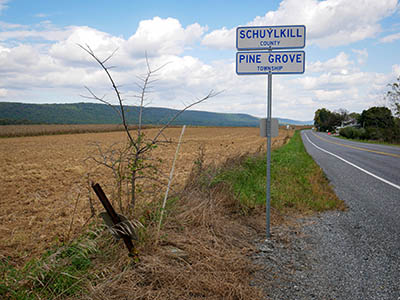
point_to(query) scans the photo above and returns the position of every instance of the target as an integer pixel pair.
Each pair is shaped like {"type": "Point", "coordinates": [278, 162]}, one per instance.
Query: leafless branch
{"type": "Point", "coordinates": [133, 163]}
{"type": "Point", "coordinates": [124, 122]}
{"type": "Point", "coordinates": [111, 55]}
{"type": "Point", "coordinates": [95, 97]}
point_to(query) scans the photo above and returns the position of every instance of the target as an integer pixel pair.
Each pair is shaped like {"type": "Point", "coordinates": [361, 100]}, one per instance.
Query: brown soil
{"type": "Point", "coordinates": [45, 180]}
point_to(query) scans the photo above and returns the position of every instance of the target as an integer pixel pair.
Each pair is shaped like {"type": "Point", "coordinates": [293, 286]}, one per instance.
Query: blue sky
{"type": "Point", "coordinates": [352, 52]}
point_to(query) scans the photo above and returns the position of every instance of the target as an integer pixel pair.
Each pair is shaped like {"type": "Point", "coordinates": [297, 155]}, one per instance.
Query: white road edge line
{"type": "Point", "coordinates": [355, 166]}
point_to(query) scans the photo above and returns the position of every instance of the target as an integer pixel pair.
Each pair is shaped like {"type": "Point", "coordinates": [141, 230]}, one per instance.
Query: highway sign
{"type": "Point", "coordinates": [270, 37]}
{"type": "Point", "coordinates": [270, 62]}
{"type": "Point", "coordinates": [277, 62]}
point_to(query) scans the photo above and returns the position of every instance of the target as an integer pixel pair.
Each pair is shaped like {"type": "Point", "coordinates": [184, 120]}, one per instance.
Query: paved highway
{"type": "Point", "coordinates": [357, 252]}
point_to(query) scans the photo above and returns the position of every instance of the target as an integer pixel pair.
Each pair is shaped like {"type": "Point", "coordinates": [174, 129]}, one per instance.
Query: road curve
{"type": "Point", "coordinates": [357, 252]}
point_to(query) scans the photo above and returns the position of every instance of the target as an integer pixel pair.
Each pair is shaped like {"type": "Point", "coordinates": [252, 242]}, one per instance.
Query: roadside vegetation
{"type": "Point", "coordinates": [375, 124]}
{"type": "Point", "coordinates": [297, 183]}
{"type": "Point", "coordinates": [206, 238]}
{"type": "Point", "coordinates": [367, 141]}
{"type": "Point", "coordinates": [378, 123]}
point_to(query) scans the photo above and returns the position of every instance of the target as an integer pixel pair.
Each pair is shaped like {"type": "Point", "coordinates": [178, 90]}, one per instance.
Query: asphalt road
{"type": "Point", "coordinates": [356, 254]}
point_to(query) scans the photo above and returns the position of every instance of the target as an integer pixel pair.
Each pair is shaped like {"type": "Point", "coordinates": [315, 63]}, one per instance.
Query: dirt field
{"type": "Point", "coordinates": [44, 177]}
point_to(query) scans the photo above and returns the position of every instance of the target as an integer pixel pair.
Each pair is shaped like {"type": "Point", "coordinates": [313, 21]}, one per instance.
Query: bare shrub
{"type": "Point", "coordinates": [203, 253]}
{"type": "Point", "coordinates": [134, 160]}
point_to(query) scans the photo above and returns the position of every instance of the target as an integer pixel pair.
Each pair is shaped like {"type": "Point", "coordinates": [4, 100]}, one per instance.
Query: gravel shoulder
{"type": "Point", "coordinates": [314, 258]}
{"type": "Point", "coordinates": [337, 255]}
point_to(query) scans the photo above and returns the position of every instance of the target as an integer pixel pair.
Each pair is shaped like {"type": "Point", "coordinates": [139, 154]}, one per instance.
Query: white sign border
{"type": "Point", "coordinates": [269, 48]}
{"type": "Point", "coordinates": [270, 72]}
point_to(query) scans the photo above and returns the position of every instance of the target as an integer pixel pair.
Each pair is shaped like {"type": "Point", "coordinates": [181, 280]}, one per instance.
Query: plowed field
{"type": "Point", "coordinates": [44, 177]}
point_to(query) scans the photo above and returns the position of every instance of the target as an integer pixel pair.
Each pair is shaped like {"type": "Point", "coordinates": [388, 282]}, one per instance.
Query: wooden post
{"type": "Point", "coordinates": [115, 218]}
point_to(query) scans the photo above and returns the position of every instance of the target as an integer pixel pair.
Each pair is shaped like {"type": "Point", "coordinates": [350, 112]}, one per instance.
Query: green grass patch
{"type": "Point", "coordinates": [297, 182]}
{"type": "Point", "coordinates": [366, 141]}
{"type": "Point", "coordinates": [59, 272]}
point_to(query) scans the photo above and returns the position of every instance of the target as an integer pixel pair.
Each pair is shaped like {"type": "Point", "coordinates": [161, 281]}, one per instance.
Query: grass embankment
{"type": "Point", "coordinates": [206, 238]}
{"type": "Point", "coordinates": [297, 182]}
{"type": "Point", "coordinates": [367, 141]}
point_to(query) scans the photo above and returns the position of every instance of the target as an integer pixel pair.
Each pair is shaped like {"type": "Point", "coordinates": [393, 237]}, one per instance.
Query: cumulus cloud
{"type": "Point", "coordinates": [68, 51]}
{"type": "Point", "coordinates": [60, 63]}
{"type": "Point", "coordinates": [328, 23]}
{"type": "Point", "coordinates": [163, 37]}
{"type": "Point", "coordinates": [354, 90]}
{"type": "Point", "coordinates": [339, 64]}
{"type": "Point", "coordinates": [332, 83]}
{"type": "Point", "coordinates": [59, 67]}
{"type": "Point", "coordinates": [220, 38]}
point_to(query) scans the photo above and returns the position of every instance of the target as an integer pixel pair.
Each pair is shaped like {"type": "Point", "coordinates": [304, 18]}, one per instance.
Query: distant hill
{"type": "Point", "coordinates": [294, 122]}
{"type": "Point", "coordinates": [94, 113]}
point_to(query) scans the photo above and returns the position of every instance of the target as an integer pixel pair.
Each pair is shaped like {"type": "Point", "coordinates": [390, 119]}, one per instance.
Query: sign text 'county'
{"type": "Point", "coordinates": [270, 37]}
{"type": "Point", "coordinates": [279, 62]}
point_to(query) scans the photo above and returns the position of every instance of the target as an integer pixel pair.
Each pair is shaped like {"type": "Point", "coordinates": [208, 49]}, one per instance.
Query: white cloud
{"type": "Point", "coordinates": [8, 26]}
{"type": "Point", "coordinates": [163, 37]}
{"type": "Point", "coordinates": [333, 83]}
{"type": "Point", "coordinates": [67, 50]}
{"type": "Point", "coordinates": [3, 93]}
{"type": "Point", "coordinates": [52, 35]}
{"type": "Point", "coordinates": [328, 23]}
{"type": "Point", "coordinates": [43, 31]}
{"type": "Point", "coordinates": [339, 64]}
{"type": "Point", "coordinates": [17, 59]}
{"type": "Point", "coordinates": [396, 70]}
{"type": "Point", "coordinates": [353, 90]}
{"type": "Point", "coordinates": [41, 15]}
{"type": "Point", "coordinates": [220, 38]}
{"type": "Point", "coordinates": [324, 95]}
{"type": "Point", "coordinates": [3, 5]}
{"type": "Point", "coordinates": [59, 67]}
{"type": "Point", "coordinates": [62, 64]}
{"type": "Point", "coordinates": [332, 22]}
{"type": "Point", "coordinates": [362, 55]}
{"type": "Point", "coordinates": [390, 38]}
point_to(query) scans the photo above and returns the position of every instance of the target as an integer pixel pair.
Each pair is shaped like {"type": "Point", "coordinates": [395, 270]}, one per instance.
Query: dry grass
{"type": "Point", "coordinates": [206, 239]}
{"type": "Point", "coordinates": [205, 247]}
{"type": "Point", "coordinates": [204, 252]}
{"type": "Point", "coordinates": [43, 176]}
{"type": "Point", "coordinates": [34, 130]}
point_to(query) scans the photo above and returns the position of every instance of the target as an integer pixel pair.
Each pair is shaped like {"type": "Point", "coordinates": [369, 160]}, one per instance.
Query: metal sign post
{"type": "Point", "coordinates": [270, 62]}
{"type": "Point", "coordinates": [269, 138]}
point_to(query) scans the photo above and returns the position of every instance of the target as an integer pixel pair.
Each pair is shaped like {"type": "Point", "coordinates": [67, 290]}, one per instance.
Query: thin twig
{"type": "Point", "coordinates": [124, 122]}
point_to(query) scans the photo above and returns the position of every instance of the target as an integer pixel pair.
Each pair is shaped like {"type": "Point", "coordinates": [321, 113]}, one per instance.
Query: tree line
{"type": "Point", "coordinates": [376, 123]}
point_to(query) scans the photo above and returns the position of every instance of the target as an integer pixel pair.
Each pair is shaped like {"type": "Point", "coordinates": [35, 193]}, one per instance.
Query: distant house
{"type": "Point", "coordinates": [347, 123]}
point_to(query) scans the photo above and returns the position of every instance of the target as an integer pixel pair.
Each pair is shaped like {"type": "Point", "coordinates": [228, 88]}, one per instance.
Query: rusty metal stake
{"type": "Point", "coordinates": [115, 218]}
